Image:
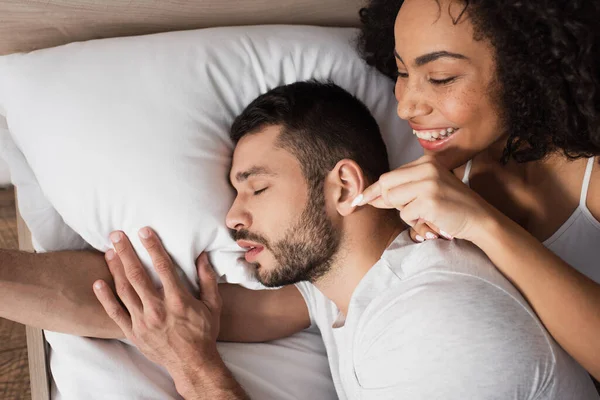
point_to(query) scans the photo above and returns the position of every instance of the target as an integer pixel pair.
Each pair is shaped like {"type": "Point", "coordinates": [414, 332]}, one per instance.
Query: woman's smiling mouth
{"type": "Point", "coordinates": [434, 134]}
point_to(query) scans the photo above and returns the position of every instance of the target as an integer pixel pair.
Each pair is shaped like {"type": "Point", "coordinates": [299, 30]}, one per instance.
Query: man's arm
{"type": "Point", "coordinates": [207, 380]}
{"type": "Point", "coordinates": [261, 315]}
{"type": "Point", "coordinates": [53, 291]}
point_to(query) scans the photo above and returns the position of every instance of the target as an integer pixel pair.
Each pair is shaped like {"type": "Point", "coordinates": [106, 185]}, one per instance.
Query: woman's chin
{"type": "Point", "coordinates": [450, 159]}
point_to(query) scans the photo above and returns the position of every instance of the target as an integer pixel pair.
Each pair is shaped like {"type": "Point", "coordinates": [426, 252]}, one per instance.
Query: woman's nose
{"type": "Point", "coordinates": [412, 101]}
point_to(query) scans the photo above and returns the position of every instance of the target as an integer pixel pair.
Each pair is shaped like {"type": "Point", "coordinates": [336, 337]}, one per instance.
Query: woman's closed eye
{"type": "Point", "coordinates": [442, 81]}
{"type": "Point", "coordinates": [445, 81]}
{"type": "Point", "coordinates": [257, 192]}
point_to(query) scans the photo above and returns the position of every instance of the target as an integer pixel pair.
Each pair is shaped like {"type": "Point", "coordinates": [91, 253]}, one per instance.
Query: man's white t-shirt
{"type": "Point", "coordinates": [436, 320]}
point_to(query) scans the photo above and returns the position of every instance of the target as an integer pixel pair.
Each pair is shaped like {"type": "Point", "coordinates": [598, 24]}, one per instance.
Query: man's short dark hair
{"type": "Point", "coordinates": [321, 124]}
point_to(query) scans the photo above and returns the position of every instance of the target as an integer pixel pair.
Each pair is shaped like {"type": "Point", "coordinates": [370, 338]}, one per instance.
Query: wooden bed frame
{"type": "Point", "coordinates": [27, 25]}
{"type": "Point", "coordinates": [36, 344]}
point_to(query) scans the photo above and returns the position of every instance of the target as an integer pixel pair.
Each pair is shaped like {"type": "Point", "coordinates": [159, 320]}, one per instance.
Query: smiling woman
{"type": "Point", "coordinates": [503, 96]}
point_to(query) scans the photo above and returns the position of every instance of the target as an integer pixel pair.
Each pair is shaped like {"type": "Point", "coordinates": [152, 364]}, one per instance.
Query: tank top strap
{"type": "Point", "coordinates": [465, 178]}
{"type": "Point", "coordinates": [586, 182]}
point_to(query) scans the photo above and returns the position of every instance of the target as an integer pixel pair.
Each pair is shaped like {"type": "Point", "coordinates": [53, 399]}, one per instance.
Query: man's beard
{"type": "Point", "coordinates": [307, 250]}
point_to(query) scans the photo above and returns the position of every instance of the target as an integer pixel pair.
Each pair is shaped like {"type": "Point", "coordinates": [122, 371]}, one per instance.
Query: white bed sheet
{"type": "Point", "coordinates": [291, 368]}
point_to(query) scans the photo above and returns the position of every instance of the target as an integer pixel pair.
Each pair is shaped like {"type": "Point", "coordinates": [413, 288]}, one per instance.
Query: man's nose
{"type": "Point", "coordinates": [237, 217]}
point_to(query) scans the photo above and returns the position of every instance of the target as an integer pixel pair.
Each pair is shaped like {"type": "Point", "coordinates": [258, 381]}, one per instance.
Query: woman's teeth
{"type": "Point", "coordinates": [437, 134]}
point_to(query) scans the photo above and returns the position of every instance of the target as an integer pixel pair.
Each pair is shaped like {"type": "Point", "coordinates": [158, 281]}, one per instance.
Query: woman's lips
{"type": "Point", "coordinates": [433, 138]}
{"type": "Point", "coordinates": [436, 145]}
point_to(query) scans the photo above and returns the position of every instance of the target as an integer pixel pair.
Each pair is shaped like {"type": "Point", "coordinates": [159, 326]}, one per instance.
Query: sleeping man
{"type": "Point", "coordinates": [399, 319]}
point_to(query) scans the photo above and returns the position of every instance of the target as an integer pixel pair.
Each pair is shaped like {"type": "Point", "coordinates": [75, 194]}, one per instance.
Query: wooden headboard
{"type": "Point", "coordinates": [27, 25]}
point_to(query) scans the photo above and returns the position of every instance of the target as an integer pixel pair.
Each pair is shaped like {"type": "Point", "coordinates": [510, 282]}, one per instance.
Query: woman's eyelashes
{"type": "Point", "coordinates": [437, 82]}
{"type": "Point", "coordinates": [442, 81]}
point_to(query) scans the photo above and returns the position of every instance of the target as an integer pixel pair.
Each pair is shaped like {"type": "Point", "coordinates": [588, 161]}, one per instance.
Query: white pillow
{"type": "Point", "coordinates": [127, 132]}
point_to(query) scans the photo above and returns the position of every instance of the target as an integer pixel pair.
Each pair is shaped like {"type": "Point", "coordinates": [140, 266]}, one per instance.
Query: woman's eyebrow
{"type": "Point", "coordinates": [427, 58]}
{"type": "Point", "coordinates": [430, 57]}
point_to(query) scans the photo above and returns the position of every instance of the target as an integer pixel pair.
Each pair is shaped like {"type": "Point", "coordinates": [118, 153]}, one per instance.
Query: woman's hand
{"type": "Point", "coordinates": [171, 327]}
{"type": "Point", "coordinates": [430, 199]}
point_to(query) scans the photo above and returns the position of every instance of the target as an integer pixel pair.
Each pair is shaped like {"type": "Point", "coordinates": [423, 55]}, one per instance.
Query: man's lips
{"type": "Point", "coordinates": [252, 249]}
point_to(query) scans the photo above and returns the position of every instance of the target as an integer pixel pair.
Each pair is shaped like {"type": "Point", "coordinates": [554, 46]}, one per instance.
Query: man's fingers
{"type": "Point", "coordinates": [124, 290]}
{"type": "Point", "coordinates": [161, 260]}
{"type": "Point", "coordinates": [209, 288]}
{"type": "Point", "coordinates": [135, 272]}
{"type": "Point", "coordinates": [112, 307]}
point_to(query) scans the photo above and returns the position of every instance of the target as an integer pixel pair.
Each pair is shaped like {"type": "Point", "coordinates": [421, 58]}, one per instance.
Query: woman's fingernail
{"type": "Point", "coordinates": [144, 233]}
{"type": "Point", "coordinates": [419, 238]}
{"type": "Point", "coordinates": [110, 254]}
{"type": "Point", "coordinates": [430, 236]}
{"type": "Point", "coordinates": [357, 200]}
{"type": "Point", "coordinates": [115, 237]}
{"type": "Point", "coordinates": [446, 235]}
{"type": "Point", "coordinates": [98, 285]}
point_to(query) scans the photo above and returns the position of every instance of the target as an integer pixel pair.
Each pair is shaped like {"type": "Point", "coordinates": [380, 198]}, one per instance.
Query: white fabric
{"type": "Point", "coordinates": [4, 173]}
{"type": "Point", "coordinates": [42, 219]}
{"type": "Point", "coordinates": [294, 368]}
{"type": "Point", "coordinates": [436, 320]}
{"type": "Point", "coordinates": [467, 173]}
{"type": "Point", "coordinates": [576, 241]}
{"type": "Point", "coordinates": [128, 132]}
{"type": "Point", "coordinates": [122, 133]}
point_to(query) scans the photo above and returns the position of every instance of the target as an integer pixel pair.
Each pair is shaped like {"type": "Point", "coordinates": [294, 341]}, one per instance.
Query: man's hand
{"type": "Point", "coordinates": [171, 327]}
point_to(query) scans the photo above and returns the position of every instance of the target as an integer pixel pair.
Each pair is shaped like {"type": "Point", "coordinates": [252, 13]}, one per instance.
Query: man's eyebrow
{"type": "Point", "coordinates": [430, 57]}
{"type": "Point", "coordinates": [256, 170]}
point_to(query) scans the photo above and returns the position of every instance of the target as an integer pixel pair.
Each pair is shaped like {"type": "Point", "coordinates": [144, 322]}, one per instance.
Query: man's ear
{"type": "Point", "coordinates": [348, 181]}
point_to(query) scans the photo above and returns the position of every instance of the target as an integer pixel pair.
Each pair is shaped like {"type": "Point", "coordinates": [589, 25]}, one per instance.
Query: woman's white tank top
{"type": "Point", "coordinates": [577, 241]}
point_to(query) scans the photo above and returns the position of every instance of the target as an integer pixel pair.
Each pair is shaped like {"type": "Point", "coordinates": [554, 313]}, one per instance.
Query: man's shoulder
{"type": "Point", "coordinates": [408, 259]}
{"type": "Point", "coordinates": [438, 295]}
{"type": "Point", "coordinates": [462, 335]}
{"type": "Point", "coordinates": [452, 327]}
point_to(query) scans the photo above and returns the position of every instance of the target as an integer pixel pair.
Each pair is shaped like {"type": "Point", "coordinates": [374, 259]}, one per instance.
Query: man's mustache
{"type": "Point", "coordinates": [244, 234]}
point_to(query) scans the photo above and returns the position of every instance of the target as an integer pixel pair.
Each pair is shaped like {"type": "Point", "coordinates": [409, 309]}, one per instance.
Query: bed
{"type": "Point", "coordinates": [36, 24]}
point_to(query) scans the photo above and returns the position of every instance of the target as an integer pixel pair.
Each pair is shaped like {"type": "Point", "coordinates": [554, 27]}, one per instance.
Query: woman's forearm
{"type": "Point", "coordinates": [566, 301]}
{"type": "Point", "coordinates": [53, 291]}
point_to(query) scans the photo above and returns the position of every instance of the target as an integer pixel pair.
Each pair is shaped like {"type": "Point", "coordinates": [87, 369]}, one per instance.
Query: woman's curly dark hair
{"type": "Point", "coordinates": [548, 68]}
